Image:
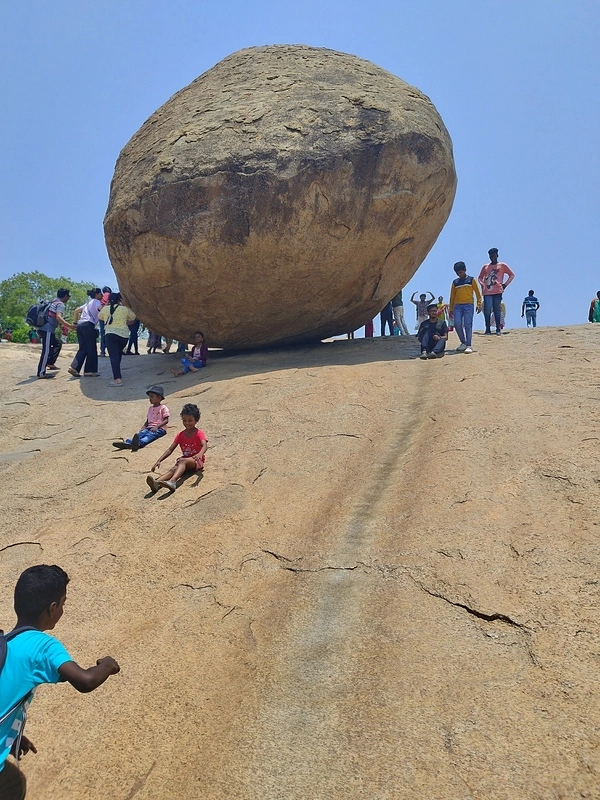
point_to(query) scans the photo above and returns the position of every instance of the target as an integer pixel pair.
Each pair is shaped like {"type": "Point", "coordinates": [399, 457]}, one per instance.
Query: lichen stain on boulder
{"type": "Point", "coordinates": [286, 194]}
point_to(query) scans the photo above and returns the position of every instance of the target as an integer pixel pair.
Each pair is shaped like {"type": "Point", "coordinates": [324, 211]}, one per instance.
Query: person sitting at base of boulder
{"type": "Point", "coordinates": [433, 334]}
{"type": "Point", "coordinates": [155, 425]}
{"type": "Point", "coordinates": [196, 357]}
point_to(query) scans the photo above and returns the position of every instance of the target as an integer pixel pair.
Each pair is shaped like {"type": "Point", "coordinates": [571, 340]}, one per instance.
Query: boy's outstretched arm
{"type": "Point", "coordinates": [86, 680]}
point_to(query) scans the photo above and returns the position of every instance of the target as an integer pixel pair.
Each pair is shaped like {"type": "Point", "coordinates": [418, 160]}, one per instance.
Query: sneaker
{"type": "Point", "coordinates": [498, 333]}
{"type": "Point", "coordinates": [114, 383]}
{"type": "Point", "coordinates": [52, 366]}
{"type": "Point", "coordinates": [488, 333]}
{"type": "Point", "coordinates": [42, 377]}
{"type": "Point", "coordinates": [72, 371]}
{"type": "Point", "coordinates": [439, 355]}
{"type": "Point", "coordinates": [152, 483]}
{"type": "Point", "coordinates": [423, 355]}
{"type": "Point", "coordinates": [461, 348]}
{"type": "Point", "coordinates": [91, 374]}
{"type": "Point", "coordinates": [431, 355]}
{"type": "Point", "coordinates": [171, 485]}
{"type": "Point", "coordinates": [468, 349]}
{"type": "Point", "coordinates": [121, 445]}
{"type": "Point", "coordinates": [135, 443]}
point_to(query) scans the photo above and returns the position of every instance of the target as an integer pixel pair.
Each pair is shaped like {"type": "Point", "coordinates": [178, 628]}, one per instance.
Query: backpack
{"type": "Point", "coordinates": [4, 638]}
{"type": "Point", "coordinates": [38, 314]}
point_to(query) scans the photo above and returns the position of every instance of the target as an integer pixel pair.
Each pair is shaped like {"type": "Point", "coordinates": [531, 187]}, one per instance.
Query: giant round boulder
{"type": "Point", "coordinates": [286, 194]}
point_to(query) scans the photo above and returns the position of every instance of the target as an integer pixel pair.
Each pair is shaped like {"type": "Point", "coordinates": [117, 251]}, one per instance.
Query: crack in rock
{"type": "Point", "coordinates": [18, 544]}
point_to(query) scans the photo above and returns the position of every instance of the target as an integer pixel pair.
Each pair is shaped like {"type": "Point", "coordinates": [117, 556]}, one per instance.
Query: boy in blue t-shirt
{"type": "Point", "coordinates": [34, 658]}
{"type": "Point", "coordinates": [529, 308]}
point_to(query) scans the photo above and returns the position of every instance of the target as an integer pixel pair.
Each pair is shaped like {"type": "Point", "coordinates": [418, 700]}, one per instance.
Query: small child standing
{"type": "Point", "coordinates": [155, 425]}
{"type": "Point", "coordinates": [197, 356]}
{"type": "Point", "coordinates": [193, 443]}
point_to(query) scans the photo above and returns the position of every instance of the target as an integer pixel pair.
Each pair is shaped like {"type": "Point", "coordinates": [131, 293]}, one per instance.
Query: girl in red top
{"type": "Point", "coordinates": [193, 443]}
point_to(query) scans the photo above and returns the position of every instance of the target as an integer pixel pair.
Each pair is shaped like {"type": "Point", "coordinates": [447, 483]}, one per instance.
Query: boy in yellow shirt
{"type": "Point", "coordinates": [461, 306]}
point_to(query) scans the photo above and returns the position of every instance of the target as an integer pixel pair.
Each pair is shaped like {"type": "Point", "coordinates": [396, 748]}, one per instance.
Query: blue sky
{"type": "Point", "coordinates": [515, 82]}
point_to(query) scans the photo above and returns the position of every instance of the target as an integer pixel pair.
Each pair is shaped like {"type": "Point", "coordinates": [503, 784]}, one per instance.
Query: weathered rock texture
{"type": "Point", "coordinates": [286, 194]}
{"type": "Point", "coordinates": [323, 616]}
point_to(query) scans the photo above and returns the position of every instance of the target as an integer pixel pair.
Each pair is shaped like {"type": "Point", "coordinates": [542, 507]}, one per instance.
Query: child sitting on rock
{"type": "Point", "coordinates": [193, 443]}
{"type": "Point", "coordinates": [196, 357]}
{"type": "Point", "coordinates": [155, 425]}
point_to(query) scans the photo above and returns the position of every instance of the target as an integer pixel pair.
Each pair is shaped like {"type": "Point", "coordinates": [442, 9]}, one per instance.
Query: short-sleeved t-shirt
{"type": "Point", "coordinates": [118, 321]}
{"type": "Point", "coordinates": [56, 307]}
{"type": "Point", "coordinates": [190, 446]}
{"type": "Point", "coordinates": [157, 415]}
{"type": "Point", "coordinates": [32, 658]}
{"type": "Point", "coordinates": [530, 303]}
{"type": "Point", "coordinates": [90, 312]}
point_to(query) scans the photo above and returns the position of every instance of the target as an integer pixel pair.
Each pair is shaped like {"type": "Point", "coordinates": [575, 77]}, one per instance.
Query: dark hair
{"type": "Point", "coordinates": [531, 292]}
{"type": "Point", "coordinates": [191, 410]}
{"type": "Point", "coordinates": [63, 293]}
{"type": "Point", "coordinates": [115, 299]}
{"type": "Point", "coordinates": [432, 305]}
{"type": "Point", "coordinates": [93, 292]}
{"type": "Point", "coordinates": [37, 588]}
{"type": "Point", "coordinates": [460, 265]}
{"type": "Point", "coordinates": [200, 332]}
{"type": "Point", "coordinates": [492, 250]}
{"type": "Point", "coordinates": [107, 289]}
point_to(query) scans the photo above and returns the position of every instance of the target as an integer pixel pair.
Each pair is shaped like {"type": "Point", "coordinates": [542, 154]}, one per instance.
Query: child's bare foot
{"type": "Point", "coordinates": [174, 372]}
{"type": "Point", "coordinates": [193, 369]}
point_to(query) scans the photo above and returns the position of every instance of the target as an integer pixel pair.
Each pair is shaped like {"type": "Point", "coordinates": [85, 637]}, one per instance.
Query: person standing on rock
{"type": "Point", "coordinates": [529, 308]}
{"type": "Point", "coordinates": [387, 317]}
{"type": "Point", "coordinates": [86, 317]}
{"type": "Point", "coordinates": [116, 318]}
{"type": "Point", "coordinates": [594, 312]}
{"type": "Point", "coordinates": [421, 306]}
{"type": "Point", "coordinates": [460, 306]}
{"type": "Point", "coordinates": [491, 279]}
{"type": "Point", "coordinates": [32, 659]}
{"type": "Point", "coordinates": [398, 309]}
{"type": "Point", "coordinates": [106, 293]}
{"type": "Point", "coordinates": [51, 347]}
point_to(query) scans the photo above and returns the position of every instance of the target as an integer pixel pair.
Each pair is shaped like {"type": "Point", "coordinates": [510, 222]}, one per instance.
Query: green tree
{"type": "Point", "coordinates": [24, 289]}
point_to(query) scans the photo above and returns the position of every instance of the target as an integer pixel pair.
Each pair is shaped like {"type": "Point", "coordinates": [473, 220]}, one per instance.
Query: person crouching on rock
{"type": "Point", "coordinates": [433, 334]}
{"type": "Point", "coordinates": [196, 357]}
{"type": "Point", "coordinates": [193, 444]}
{"type": "Point", "coordinates": [155, 424]}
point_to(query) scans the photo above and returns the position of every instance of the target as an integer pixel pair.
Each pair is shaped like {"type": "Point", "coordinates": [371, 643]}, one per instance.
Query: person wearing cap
{"type": "Point", "coordinates": [432, 334]}
{"type": "Point", "coordinates": [491, 279]}
{"type": "Point", "coordinates": [155, 425]}
{"type": "Point", "coordinates": [51, 346]}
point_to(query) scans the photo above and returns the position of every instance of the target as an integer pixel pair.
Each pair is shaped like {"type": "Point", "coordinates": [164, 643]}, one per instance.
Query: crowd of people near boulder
{"type": "Point", "coordinates": [435, 318]}
{"type": "Point", "coordinates": [103, 319]}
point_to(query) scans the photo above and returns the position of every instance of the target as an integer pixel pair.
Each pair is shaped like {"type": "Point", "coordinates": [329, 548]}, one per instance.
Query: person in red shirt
{"type": "Point", "coordinates": [193, 443]}
{"type": "Point", "coordinates": [491, 279]}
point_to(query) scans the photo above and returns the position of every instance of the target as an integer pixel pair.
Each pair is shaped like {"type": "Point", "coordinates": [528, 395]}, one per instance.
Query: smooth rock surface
{"type": "Point", "coordinates": [286, 194]}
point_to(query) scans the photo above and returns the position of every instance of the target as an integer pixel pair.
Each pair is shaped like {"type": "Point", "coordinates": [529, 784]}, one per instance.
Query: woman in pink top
{"type": "Point", "coordinates": [491, 279]}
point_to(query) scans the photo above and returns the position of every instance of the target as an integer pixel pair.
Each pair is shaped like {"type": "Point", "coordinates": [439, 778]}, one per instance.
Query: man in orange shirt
{"type": "Point", "coordinates": [491, 279]}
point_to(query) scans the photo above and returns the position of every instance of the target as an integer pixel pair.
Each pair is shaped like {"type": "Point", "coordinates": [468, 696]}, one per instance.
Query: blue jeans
{"type": "Point", "coordinates": [147, 436]}
{"type": "Point", "coordinates": [491, 302]}
{"type": "Point", "coordinates": [463, 322]}
{"type": "Point", "coordinates": [530, 315]}
{"type": "Point", "coordinates": [187, 363]}
{"type": "Point", "coordinates": [431, 346]}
